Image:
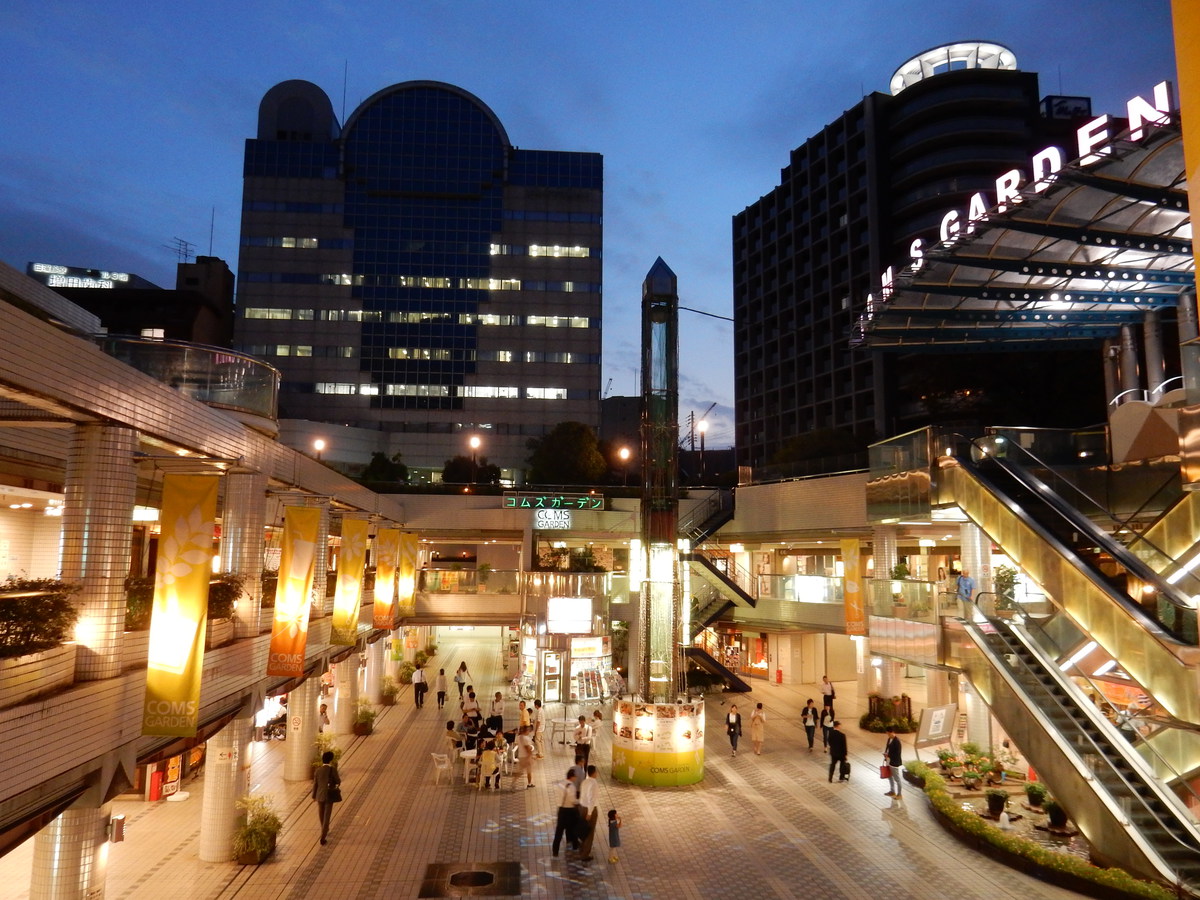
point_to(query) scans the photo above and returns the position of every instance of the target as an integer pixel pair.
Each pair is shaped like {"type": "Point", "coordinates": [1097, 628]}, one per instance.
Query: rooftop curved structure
{"type": "Point", "coordinates": [952, 58]}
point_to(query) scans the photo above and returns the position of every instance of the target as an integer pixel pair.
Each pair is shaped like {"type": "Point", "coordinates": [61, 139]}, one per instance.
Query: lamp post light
{"type": "Point", "coordinates": [703, 426]}
{"type": "Point", "coordinates": [319, 445]}
{"type": "Point", "coordinates": [474, 442]}
{"type": "Point", "coordinates": [624, 454]}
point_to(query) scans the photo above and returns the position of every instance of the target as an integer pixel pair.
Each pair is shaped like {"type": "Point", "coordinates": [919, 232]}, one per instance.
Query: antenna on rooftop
{"type": "Point", "coordinates": [184, 251]}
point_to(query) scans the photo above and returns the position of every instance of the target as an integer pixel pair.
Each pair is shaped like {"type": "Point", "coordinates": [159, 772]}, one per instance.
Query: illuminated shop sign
{"type": "Point", "coordinates": [569, 615]}
{"type": "Point", "coordinates": [552, 519]}
{"type": "Point", "coordinates": [1092, 142]}
{"type": "Point", "coordinates": [520, 500]}
{"type": "Point", "coordinates": [591, 646]}
{"type": "Point", "coordinates": [70, 277]}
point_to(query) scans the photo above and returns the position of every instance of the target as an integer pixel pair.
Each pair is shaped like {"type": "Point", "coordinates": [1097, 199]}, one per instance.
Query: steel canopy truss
{"type": "Point", "coordinates": [1094, 250]}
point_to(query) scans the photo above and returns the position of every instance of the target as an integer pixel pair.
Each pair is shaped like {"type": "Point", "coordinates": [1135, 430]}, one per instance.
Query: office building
{"type": "Point", "coordinates": [848, 205]}
{"type": "Point", "coordinates": [419, 280]}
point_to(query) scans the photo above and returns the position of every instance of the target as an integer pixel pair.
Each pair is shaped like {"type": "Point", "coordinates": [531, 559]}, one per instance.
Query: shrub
{"type": "Point", "coordinates": [223, 594]}
{"type": "Point", "coordinates": [41, 616]}
{"type": "Point", "coordinates": [421, 657]}
{"type": "Point", "coordinates": [260, 825]}
{"type": "Point", "coordinates": [430, 650]}
{"type": "Point", "coordinates": [139, 603]}
{"type": "Point", "coordinates": [405, 672]}
{"type": "Point", "coordinates": [270, 586]}
{"type": "Point", "coordinates": [388, 686]}
{"type": "Point", "coordinates": [364, 713]}
{"type": "Point", "coordinates": [1035, 793]}
{"type": "Point", "coordinates": [880, 724]}
{"type": "Point", "coordinates": [325, 741]}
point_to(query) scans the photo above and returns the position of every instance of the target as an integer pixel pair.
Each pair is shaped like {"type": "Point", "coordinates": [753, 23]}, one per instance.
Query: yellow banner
{"type": "Point", "coordinates": [1185, 15]}
{"type": "Point", "coordinates": [179, 620]}
{"type": "Point", "coordinates": [852, 587]}
{"type": "Point", "coordinates": [348, 599]}
{"type": "Point", "coordinates": [387, 552]}
{"type": "Point", "coordinates": [406, 585]}
{"type": "Point", "coordinates": [289, 632]}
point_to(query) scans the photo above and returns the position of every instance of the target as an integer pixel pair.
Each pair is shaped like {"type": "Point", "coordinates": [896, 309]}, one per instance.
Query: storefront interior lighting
{"type": "Point", "coordinates": [737, 548]}
{"type": "Point", "coordinates": [1079, 654]}
{"type": "Point", "coordinates": [1105, 669]}
{"type": "Point", "coordinates": [145, 514]}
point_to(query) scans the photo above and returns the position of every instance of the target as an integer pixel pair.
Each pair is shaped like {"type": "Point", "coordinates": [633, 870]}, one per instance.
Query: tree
{"type": "Point", "coordinates": [461, 470]}
{"type": "Point", "coordinates": [822, 442]}
{"type": "Point", "coordinates": [568, 454]}
{"type": "Point", "coordinates": [382, 470]}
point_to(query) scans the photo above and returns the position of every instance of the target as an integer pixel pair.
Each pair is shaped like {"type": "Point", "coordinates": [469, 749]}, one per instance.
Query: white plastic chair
{"type": "Point", "coordinates": [441, 763]}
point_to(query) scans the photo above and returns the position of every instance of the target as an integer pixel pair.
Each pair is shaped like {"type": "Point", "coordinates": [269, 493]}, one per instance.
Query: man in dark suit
{"type": "Point", "coordinates": [837, 750]}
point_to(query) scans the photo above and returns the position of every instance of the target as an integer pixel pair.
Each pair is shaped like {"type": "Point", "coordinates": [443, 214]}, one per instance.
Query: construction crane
{"type": "Point", "coordinates": [607, 388]}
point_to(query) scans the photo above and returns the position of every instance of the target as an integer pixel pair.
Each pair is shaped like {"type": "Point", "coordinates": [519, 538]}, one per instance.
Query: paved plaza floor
{"type": "Point", "coordinates": [757, 827]}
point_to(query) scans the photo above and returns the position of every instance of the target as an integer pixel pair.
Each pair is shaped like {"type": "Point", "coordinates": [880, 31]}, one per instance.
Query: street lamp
{"type": "Point", "coordinates": [474, 442]}
{"type": "Point", "coordinates": [319, 445]}
{"type": "Point", "coordinates": [703, 426]}
{"type": "Point", "coordinates": [624, 454]}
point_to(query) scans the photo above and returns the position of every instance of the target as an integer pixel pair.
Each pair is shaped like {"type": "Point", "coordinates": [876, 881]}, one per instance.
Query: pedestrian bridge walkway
{"type": "Point", "coordinates": [757, 827]}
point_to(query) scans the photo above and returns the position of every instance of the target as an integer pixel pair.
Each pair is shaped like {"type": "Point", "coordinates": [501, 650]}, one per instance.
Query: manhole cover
{"type": "Point", "coordinates": [472, 879]}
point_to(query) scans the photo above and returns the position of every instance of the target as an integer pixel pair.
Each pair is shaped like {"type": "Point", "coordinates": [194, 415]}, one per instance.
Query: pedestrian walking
{"type": "Point", "coordinates": [539, 730]}
{"type": "Point", "coordinates": [589, 811]}
{"type": "Point", "coordinates": [439, 685]}
{"type": "Point", "coordinates": [461, 676]}
{"type": "Point", "coordinates": [828, 694]}
{"type": "Point", "coordinates": [810, 718]}
{"type": "Point", "coordinates": [827, 721]}
{"type": "Point", "coordinates": [419, 686]}
{"type": "Point", "coordinates": [568, 814]}
{"type": "Point", "coordinates": [837, 753]}
{"type": "Point", "coordinates": [733, 727]}
{"type": "Point", "coordinates": [326, 790]}
{"type": "Point", "coordinates": [583, 739]}
{"type": "Point", "coordinates": [614, 835]}
{"type": "Point", "coordinates": [894, 760]}
{"type": "Point", "coordinates": [758, 727]}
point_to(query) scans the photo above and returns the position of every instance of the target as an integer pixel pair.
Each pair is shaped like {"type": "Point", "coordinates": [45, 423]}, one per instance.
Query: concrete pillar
{"type": "Point", "coordinates": [375, 670]}
{"type": "Point", "coordinates": [1130, 378]}
{"type": "Point", "coordinates": [976, 550]}
{"type": "Point", "coordinates": [937, 688]}
{"type": "Point", "coordinates": [979, 718]}
{"type": "Point", "coordinates": [225, 780]}
{"type": "Point", "coordinates": [70, 856]}
{"type": "Point", "coordinates": [304, 704]}
{"type": "Point", "coordinates": [101, 487]}
{"type": "Point", "coordinates": [347, 695]}
{"type": "Point", "coordinates": [891, 678]}
{"type": "Point", "coordinates": [862, 664]}
{"type": "Point", "coordinates": [243, 518]}
{"type": "Point", "coordinates": [1156, 367]}
{"type": "Point", "coordinates": [1112, 381]}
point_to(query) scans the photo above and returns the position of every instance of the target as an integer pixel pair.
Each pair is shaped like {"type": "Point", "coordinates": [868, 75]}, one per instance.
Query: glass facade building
{"type": "Point", "coordinates": [415, 276]}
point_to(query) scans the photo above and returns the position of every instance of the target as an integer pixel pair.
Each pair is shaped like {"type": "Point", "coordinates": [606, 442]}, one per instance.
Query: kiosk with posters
{"type": "Point", "coordinates": [658, 743]}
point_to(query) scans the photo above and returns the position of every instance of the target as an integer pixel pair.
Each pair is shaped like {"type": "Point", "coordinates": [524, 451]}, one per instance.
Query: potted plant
{"type": "Point", "coordinates": [484, 572]}
{"type": "Point", "coordinates": [325, 741]}
{"type": "Point", "coordinates": [1005, 581]}
{"type": "Point", "coordinates": [254, 839]}
{"type": "Point", "coordinates": [1058, 815]}
{"type": "Point", "coordinates": [388, 689]}
{"type": "Point", "coordinates": [431, 649]}
{"type": "Point", "coordinates": [996, 801]}
{"type": "Point", "coordinates": [1035, 793]}
{"type": "Point", "coordinates": [364, 717]}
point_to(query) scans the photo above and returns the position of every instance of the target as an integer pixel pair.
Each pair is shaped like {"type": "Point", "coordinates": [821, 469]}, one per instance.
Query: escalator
{"type": "Point", "coordinates": [1144, 638]}
{"type": "Point", "coordinates": [708, 663]}
{"type": "Point", "coordinates": [1113, 793]}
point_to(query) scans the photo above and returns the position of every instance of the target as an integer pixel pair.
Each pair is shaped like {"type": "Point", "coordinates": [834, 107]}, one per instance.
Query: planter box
{"type": "Point", "coordinates": [25, 677]}
{"type": "Point", "coordinates": [387, 700]}
{"type": "Point", "coordinates": [251, 858]}
{"type": "Point", "coordinates": [218, 633]}
{"type": "Point", "coordinates": [362, 728]}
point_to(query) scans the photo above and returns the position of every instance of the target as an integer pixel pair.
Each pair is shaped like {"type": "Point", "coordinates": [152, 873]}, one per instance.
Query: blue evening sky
{"type": "Point", "coordinates": [124, 122]}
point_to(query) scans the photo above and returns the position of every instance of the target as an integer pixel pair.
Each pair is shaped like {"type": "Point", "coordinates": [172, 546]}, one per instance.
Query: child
{"type": "Point", "coordinates": [614, 834]}
{"type": "Point", "coordinates": [489, 765]}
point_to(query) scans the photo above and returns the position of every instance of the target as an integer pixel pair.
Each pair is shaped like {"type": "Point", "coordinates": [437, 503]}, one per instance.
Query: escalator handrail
{"type": "Point", "coordinates": [1120, 552]}
{"type": "Point", "coordinates": [1148, 781]}
{"type": "Point", "coordinates": [1130, 606]}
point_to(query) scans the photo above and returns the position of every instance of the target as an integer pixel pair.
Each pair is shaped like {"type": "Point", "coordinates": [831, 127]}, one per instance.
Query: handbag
{"type": "Point", "coordinates": [885, 771]}
{"type": "Point", "coordinates": [333, 795]}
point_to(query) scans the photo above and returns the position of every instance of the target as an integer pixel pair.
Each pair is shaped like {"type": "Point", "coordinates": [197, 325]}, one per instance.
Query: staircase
{"type": "Point", "coordinates": [708, 663]}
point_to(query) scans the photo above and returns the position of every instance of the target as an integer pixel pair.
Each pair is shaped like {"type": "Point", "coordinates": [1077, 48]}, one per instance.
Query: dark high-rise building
{"type": "Point", "coordinates": [848, 205]}
{"type": "Point", "coordinates": [418, 279]}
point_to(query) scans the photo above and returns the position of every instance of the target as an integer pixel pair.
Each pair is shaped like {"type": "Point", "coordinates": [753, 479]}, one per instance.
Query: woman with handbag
{"type": "Point", "coordinates": [893, 762]}
{"type": "Point", "coordinates": [733, 727]}
{"type": "Point", "coordinates": [327, 790]}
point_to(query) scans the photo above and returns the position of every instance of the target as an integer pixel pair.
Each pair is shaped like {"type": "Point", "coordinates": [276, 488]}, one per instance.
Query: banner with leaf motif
{"type": "Point", "coordinates": [289, 631]}
{"type": "Point", "coordinates": [348, 599]}
{"type": "Point", "coordinates": [387, 553]}
{"type": "Point", "coordinates": [852, 586]}
{"type": "Point", "coordinates": [180, 614]}
{"type": "Point", "coordinates": [406, 584]}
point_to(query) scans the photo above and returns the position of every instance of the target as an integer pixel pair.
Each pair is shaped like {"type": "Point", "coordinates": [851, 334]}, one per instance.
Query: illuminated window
{"type": "Point", "coordinates": [283, 350]}
{"type": "Point", "coordinates": [368, 390]}
{"type": "Point", "coordinates": [302, 350]}
{"type": "Point", "coordinates": [258, 312]}
{"type": "Point", "coordinates": [335, 387]}
{"type": "Point", "coordinates": [419, 353]}
{"type": "Point", "coordinates": [534, 393]}
{"type": "Point", "coordinates": [157, 333]}
{"type": "Point", "coordinates": [488, 392]}
{"type": "Point", "coordinates": [416, 390]}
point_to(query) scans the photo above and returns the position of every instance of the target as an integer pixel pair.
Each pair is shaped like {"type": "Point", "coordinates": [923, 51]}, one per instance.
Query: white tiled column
{"type": "Point", "coordinates": [321, 605]}
{"type": "Point", "coordinates": [976, 550]}
{"type": "Point", "coordinates": [891, 678]}
{"type": "Point", "coordinates": [347, 694]}
{"type": "Point", "coordinates": [979, 718]}
{"type": "Point", "coordinates": [243, 518]}
{"type": "Point", "coordinates": [225, 780]}
{"type": "Point", "coordinates": [70, 856]}
{"type": "Point", "coordinates": [884, 551]}
{"type": "Point", "coordinates": [101, 487]}
{"type": "Point", "coordinates": [303, 705]}
{"type": "Point", "coordinates": [375, 670]}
